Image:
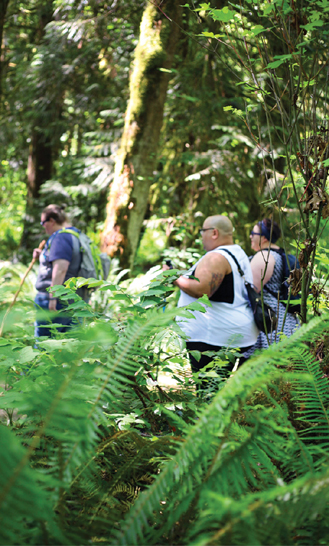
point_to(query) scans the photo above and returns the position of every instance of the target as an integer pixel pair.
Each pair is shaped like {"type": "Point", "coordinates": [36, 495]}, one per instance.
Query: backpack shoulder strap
{"type": "Point", "coordinates": [70, 231]}
{"type": "Point", "coordinates": [236, 261]}
{"type": "Point", "coordinates": [63, 230]}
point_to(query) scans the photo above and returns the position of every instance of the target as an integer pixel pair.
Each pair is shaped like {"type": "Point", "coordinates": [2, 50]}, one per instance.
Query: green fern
{"type": "Point", "coordinates": [184, 478]}
{"type": "Point", "coordinates": [23, 498]}
{"type": "Point", "coordinates": [231, 477]}
{"type": "Point", "coordinates": [313, 399]}
{"type": "Point", "coordinates": [61, 398]}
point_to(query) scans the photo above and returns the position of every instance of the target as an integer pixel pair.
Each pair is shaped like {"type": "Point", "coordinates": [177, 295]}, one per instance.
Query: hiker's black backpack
{"type": "Point", "coordinates": [290, 263]}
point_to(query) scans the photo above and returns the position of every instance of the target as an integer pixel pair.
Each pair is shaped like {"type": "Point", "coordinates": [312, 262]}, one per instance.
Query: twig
{"type": "Point", "coordinates": [159, 388]}
{"type": "Point", "coordinates": [41, 245]}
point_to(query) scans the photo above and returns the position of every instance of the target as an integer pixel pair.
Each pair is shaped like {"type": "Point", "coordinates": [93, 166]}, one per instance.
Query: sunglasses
{"type": "Point", "coordinates": [205, 229]}
{"type": "Point", "coordinates": [43, 223]}
{"type": "Point", "coordinates": [252, 233]}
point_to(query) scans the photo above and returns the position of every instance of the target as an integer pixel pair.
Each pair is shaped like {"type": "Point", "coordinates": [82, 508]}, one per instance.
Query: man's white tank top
{"type": "Point", "coordinates": [224, 324]}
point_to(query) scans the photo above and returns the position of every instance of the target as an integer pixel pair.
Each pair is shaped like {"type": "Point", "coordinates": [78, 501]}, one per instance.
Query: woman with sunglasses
{"type": "Point", "coordinates": [59, 261]}
{"type": "Point", "coordinates": [268, 272]}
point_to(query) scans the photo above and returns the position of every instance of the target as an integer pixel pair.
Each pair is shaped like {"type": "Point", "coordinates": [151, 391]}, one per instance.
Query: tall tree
{"type": "Point", "coordinates": [208, 163]}
{"type": "Point", "coordinates": [136, 160]}
{"type": "Point", "coordinates": [65, 90]}
{"type": "Point", "coordinates": [40, 157]}
{"type": "Point", "coordinates": [3, 11]}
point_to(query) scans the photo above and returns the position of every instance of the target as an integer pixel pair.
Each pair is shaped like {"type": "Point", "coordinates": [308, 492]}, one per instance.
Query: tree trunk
{"type": "Point", "coordinates": [39, 165]}
{"type": "Point", "coordinates": [136, 161]}
{"type": "Point", "coordinates": [40, 158]}
{"type": "Point", "coordinates": [3, 11]}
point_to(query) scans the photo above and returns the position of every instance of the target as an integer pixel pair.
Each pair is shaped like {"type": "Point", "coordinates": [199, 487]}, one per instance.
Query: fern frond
{"type": "Point", "coordinates": [24, 504]}
{"type": "Point", "coordinates": [312, 395]}
{"type": "Point", "coordinates": [206, 438]}
{"type": "Point", "coordinates": [267, 517]}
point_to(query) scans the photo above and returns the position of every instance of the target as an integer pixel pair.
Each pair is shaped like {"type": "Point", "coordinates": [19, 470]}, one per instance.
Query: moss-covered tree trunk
{"type": "Point", "coordinates": [136, 161]}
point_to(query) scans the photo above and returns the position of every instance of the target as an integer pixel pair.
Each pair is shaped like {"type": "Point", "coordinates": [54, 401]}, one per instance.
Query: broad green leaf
{"type": "Point", "coordinates": [93, 283]}
{"type": "Point", "coordinates": [203, 7]}
{"type": "Point", "coordinates": [280, 59]}
{"type": "Point", "coordinates": [153, 292]}
{"type": "Point", "coordinates": [81, 281]}
{"type": "Point", "coordinates": [223, 15]}
{"type": "Point", "coordinates": [204, 299]}
{"type": "Point", "coordinates": [196, 355]}
{"type": "Point", "coordinates": [308, 83]}
{"type": "Point", "coordinates": [302, 44]}
{"type": "Point", "coordinates": [122, 297]}
{"type": "Point", "coordinates": [268, 8]}
{"type": "Point", "coordinates": [196, 306]}
{"type": "Point", "coordinates": [59, 344]}
{"type": "Point", "coordinates": [211, 35]}
{"type": "Point", "coordinates": [257, 30]}
{"type": "Point", "coordinates": [275, 64]}
{"type": "Point", "coordinates": [313, 24]}
{"type": "Point", "coordinates": [108, 287]}
{"type": "Point", "coordinates": [27, 354]}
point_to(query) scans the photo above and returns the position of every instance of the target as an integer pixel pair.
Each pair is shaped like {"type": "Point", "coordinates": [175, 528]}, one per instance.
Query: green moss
{"type": "Point", "coordinates": [149, 56]}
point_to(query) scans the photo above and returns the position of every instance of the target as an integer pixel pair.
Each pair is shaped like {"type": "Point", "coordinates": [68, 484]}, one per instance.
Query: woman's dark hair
{"type": "Point", "coordinates": [269, 229]}
{"type": "Point", "coordinates": [56, 212]}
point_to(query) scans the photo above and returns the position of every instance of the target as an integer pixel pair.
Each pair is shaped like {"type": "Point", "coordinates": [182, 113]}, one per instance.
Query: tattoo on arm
{"type": "Point", "coordinates": [216, 281]}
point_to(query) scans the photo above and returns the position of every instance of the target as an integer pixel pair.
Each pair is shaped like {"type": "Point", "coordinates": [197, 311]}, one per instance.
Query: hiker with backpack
{"type": "Point", "coordinates": [270, 268]}
{"type": "Point", "coordinates": [59, 261]}
{"type": "Point", "coordinates": [68, 253]}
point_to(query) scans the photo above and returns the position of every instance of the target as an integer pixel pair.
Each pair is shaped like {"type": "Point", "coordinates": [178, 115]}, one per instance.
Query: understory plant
{"type": "Point", "coordinates": [98, 451]}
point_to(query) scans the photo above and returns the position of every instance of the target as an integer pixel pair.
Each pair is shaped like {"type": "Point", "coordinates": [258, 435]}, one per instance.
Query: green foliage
{"type": "Point", "coordinates": [279, 50]}
{"type": "Point", "coordinates": [73, 397]}
{"type": "Point", "coordinates": [97, 450]}
{"type": "Point", "coordinates": [242, 465]}
{"type": "Point", "coordinates": [12, 205]}
{"type": "Point", "coordinates": [152, 244]}
{"type": "Point", "coordinates": [21, 317]}
{"type": "Point", "coordinates": [65, 79]}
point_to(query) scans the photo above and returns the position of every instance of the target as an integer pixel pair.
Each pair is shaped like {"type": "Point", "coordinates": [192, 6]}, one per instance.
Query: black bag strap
{"type": "Point", "coordinates": [255, 302]}
{"type": "Point", "coordinates": [236, 261]}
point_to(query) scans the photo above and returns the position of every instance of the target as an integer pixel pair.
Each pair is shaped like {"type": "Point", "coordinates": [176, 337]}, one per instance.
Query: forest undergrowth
{"type": "Point", "coordinates": [95, 450]}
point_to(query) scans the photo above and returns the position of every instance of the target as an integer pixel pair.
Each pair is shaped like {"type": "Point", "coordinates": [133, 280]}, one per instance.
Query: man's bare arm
{"type": "Point", "coordinates": [210, 272]}
{"type": "Point", "coordinates": [215, 282]}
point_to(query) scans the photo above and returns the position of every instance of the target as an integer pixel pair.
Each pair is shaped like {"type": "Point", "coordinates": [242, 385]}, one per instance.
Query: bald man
{"type": "Point", "coordinates": [229, 321]}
